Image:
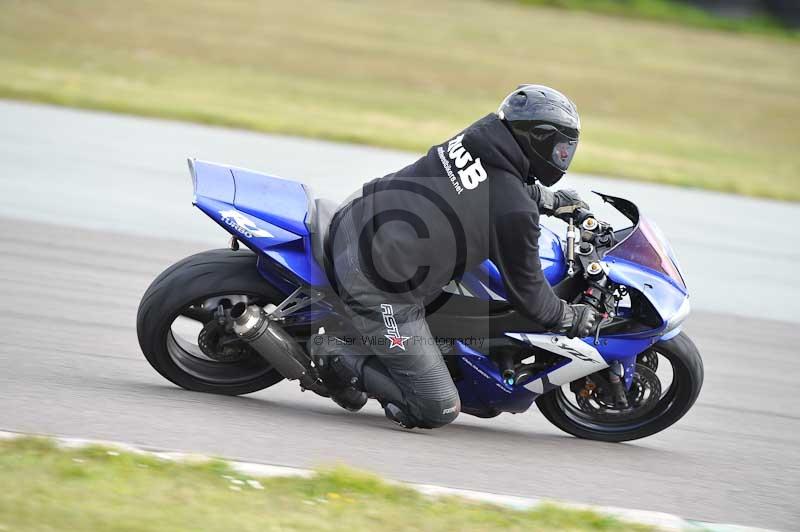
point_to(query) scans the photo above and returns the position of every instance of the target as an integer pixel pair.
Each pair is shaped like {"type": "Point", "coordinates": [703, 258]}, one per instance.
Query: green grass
{"type": "Point", "coordinates": [89, 489]}
{"type": "Point", "coordinates": [659, 102]}
{"type": "Point", "coordinates": [674, 11]}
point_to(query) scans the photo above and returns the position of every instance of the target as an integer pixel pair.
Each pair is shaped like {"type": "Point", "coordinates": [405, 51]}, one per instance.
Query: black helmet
{"type": "Point", "coordinates": [546, 125]}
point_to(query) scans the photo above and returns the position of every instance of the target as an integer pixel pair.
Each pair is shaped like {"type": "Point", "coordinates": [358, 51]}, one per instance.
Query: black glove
{"type": "Point", "coordinates": [577, 321]}
{"type": "Point", "coordinates": [562, 204]}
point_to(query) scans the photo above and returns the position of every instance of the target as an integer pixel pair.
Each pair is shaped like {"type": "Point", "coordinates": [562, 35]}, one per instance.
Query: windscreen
{"type": "Point", "coordinates": [647, 246]}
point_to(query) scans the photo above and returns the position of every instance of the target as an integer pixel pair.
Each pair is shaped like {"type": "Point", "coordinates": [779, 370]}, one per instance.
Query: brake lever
{"type": "Point", "coordinates": [603, 316]}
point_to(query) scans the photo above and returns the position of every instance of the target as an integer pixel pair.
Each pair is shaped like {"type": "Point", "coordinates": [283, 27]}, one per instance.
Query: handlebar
{"type": "Point", "coordinates": [580, 215]}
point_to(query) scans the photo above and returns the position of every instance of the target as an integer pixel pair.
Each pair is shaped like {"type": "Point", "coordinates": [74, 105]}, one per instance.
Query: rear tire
{"type": "Point", "coordinates": [197, 278]}
{"type": "Point", "coordinates": [687, 368]}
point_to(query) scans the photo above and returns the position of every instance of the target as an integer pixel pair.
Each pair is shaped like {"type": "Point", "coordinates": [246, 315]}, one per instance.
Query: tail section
{"type": "Point", "coordinates": [266, 213]}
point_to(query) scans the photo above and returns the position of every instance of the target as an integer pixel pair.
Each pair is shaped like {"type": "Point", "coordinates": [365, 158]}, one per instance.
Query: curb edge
{"type": "Point", "coordinates": [661, 520]}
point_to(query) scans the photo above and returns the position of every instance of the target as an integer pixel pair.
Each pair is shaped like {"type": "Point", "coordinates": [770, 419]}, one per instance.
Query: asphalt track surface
{"type": "Point", "coordinates": [93, 206]}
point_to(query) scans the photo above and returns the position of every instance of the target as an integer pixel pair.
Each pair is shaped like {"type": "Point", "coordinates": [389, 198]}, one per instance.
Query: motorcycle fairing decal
{"type": "Point", "coordinates": [484, 291]}
{"type": "Point", "coordinates": [268, 214]}
{"type": "Point", "coordinates": [255, 233]}
{"type": "Point", "coordinates": [484, 282]}
{"type": "Point", "coordinates": [279, 202]}
{"type": "Point", "coordinates": [243, 224]}
{"type": "Point", "coordinates": [584, 360]}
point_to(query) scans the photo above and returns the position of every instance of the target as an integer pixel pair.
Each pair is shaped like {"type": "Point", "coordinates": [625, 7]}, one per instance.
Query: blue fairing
{"type": "Point", "coordinates": [482, 386]}
{"type": "Point", "coordinates": [266, 213]}
{"type": "Point", "coordinates": [664, 294]}
{"type": "Point", "coordinates": [554, 264]}
{"type": "Point", "coordinates": [282, 202]}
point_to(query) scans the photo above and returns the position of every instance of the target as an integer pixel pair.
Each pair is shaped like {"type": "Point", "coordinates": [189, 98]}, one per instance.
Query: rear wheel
{"type": "Point", "coordinates": [666, 383]}
{"type": "Point", "coordinates": [182, 318]}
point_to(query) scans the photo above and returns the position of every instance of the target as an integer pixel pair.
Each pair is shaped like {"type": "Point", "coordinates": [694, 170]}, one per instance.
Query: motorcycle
{"type": "Point", "coordinates": [235, 321]}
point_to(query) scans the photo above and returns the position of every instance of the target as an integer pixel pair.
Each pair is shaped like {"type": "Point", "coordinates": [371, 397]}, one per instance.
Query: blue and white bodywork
{"type": "Point", "coordinates": [273, 217]}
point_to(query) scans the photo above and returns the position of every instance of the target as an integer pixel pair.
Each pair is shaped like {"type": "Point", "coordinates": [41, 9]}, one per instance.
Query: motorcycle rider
{"type": "Point", "coordinates": [391, 249]}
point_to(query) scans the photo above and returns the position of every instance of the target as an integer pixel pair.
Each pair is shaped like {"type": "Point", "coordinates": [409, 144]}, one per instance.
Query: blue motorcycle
{"type": "Point", "coordinates": [233, 321]}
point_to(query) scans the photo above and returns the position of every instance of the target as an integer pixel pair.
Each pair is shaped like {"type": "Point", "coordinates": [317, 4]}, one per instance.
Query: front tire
{"type": "Point", "coordinates": [687, 380]}
{"type": "Point", "coordinates": [218, 276]}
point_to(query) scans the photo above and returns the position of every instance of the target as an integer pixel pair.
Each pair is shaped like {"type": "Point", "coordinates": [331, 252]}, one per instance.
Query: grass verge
{"type": "Point", "coordinates": [94, 488]}
{"type": "Point", "coordinates": [659, 102]}
{"type": "Point", "coordinates": [677, 12]}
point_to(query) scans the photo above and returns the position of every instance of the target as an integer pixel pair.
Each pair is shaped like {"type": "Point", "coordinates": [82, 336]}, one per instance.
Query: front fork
{"type": "Point", "coordinates": [619, 375]}
{"type": "Point", "coordinates": [617, 378]}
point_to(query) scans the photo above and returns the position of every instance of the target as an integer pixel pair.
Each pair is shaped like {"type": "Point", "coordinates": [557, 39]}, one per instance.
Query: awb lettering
{"type": "Point", "coordinates": [470, 171]}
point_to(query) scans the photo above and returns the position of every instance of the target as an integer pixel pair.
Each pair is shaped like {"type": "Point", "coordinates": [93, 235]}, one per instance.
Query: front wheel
{"type": "Point", "coordinates": [181, 319]}
{"type": "Point", "coordinates": [666, 384]}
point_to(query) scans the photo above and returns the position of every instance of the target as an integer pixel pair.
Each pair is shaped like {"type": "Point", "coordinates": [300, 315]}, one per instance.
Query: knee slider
{"type": "Point", "coordinates": [436, 414]}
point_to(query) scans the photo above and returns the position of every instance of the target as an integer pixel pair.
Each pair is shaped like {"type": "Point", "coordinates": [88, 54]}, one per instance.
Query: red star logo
{"type": "Point", "coordinates": [397, 341]}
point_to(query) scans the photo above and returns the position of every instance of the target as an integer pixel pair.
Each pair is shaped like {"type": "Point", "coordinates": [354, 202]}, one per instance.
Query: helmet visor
{"type": "Point", "coordinates": [554, 146]}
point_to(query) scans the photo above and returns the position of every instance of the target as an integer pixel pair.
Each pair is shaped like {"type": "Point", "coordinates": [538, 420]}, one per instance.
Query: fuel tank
{"type": "Point", "coordinates": [485, 282]}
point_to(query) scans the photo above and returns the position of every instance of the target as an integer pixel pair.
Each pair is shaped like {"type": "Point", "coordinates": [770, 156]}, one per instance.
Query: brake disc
{"type": "Point", "coordinates": [643, 395]}
{"type": "Point", "coordinates": [649, 358]}
{"type": "Point", "coordinates": [221, 346]}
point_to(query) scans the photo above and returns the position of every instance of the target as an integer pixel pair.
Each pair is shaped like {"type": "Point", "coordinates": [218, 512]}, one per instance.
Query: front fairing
{"type": "Point", "coordinates": [668, 300]}
{"type": "Point", "coordinates": [644, 260]}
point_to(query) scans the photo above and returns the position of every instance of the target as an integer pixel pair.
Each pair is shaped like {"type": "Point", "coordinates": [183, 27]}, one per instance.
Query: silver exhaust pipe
{"type": "Point", "coordinates": [275, 345]}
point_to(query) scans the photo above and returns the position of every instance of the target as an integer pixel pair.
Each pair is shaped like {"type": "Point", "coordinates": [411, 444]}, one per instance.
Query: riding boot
{"type": "Point", "coordinates": [341, 382]}
{"type": "Point", "coordinates": [396, 414]}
